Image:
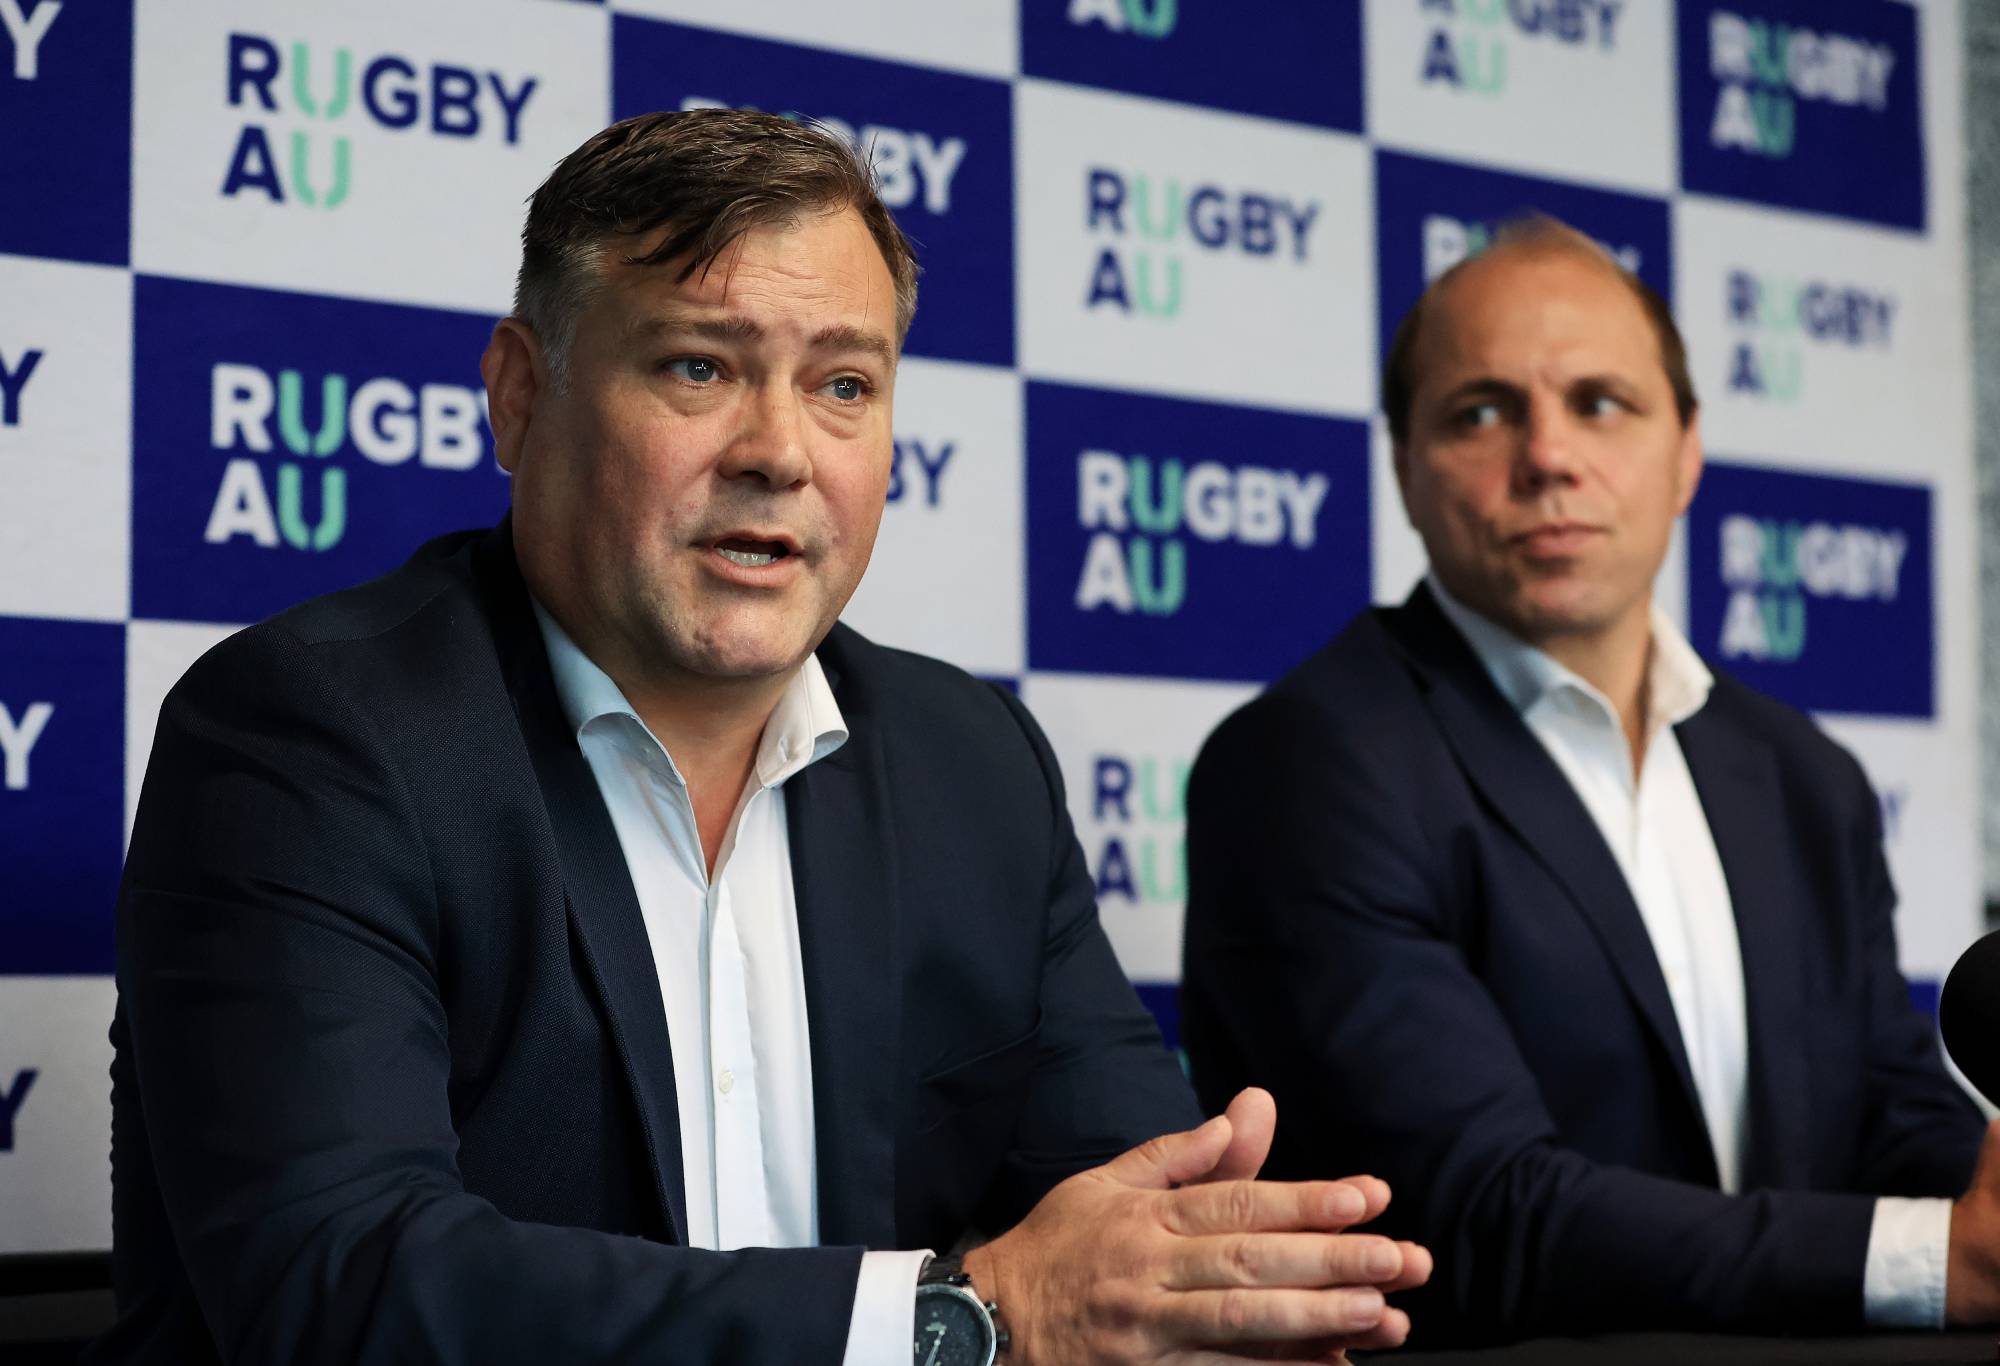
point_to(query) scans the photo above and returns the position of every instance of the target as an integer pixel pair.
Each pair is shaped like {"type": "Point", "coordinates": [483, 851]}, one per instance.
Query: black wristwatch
{"type": "Point", "coordinates": [954, 1326]}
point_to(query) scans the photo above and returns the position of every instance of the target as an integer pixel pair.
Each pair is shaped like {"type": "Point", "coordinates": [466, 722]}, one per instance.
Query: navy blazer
{"type": "Point", "coordinates": [1403, 921]}
{"type": "Point", "coordinates": [392, 1078]}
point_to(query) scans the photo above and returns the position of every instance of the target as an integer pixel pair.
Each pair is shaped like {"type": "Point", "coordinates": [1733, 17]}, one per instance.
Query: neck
{"type": "Point", "coordinates": [711, 728]}
{"type": "Point", "coordinates": [1617, 662]}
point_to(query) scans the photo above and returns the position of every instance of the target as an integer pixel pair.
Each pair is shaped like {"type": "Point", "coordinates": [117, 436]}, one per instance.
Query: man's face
{"type": "Point", "coordinates": [1545, 462]}
{"type": "Point", "coordinates": [704, 498]}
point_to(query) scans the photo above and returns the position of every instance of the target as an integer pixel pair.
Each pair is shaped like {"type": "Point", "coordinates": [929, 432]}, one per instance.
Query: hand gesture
{"type": "Point", "coordinates": [1171, 1253]}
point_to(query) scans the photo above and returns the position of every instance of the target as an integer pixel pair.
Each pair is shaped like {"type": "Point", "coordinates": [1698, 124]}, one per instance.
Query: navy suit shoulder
{"type": "Point", "coordinates": [1404, 922]}
{"type": "Point", "coordinates": [391, 1071]}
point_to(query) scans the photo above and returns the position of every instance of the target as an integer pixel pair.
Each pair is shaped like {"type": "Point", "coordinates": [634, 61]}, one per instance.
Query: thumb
{"type": "Point", "coordinates": [1171, 1159]}
{"type": "Point", "coordinates": [1253, 1119]}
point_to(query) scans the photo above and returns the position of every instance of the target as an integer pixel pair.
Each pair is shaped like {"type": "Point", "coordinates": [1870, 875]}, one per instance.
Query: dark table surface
{"type": "Point", "coordinates": [1672, 1349]}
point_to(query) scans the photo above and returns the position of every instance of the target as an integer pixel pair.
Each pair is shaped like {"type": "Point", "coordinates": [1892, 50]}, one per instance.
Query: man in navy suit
{"type": "Point", "coordinates": [575, 947]}
{"type": "Point", "coordinates": [1587, 949]}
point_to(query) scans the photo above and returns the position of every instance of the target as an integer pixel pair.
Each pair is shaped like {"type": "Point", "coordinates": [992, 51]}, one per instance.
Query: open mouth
{"type": "Point", "coordinates": [751, 554]}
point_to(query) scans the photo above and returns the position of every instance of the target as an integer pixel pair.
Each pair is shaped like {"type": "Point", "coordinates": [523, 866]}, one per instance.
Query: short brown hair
{"type": "Point", "coordinates": [1534, 233]}
{"type": "Point", "coordinates": [707, 176]}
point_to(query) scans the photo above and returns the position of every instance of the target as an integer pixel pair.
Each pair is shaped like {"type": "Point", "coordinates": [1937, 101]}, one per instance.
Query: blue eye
{"type": "Point", "coordinates": [849, 388]}
{"type": "Point", "coordinates": [694, 369]}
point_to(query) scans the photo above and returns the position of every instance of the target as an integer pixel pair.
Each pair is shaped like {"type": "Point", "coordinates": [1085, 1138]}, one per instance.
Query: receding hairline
{"type": "Point", "coordinates": [1536, 237]}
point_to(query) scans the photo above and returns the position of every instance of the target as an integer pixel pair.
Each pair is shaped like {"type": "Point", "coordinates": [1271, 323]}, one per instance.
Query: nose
{"type": "Point", "coordinates": [771, 445]}
{"type": "Point", "coordinates": [1546, 454]}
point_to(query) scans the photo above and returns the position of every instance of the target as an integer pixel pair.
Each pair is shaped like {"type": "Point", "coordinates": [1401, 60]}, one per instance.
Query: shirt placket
{"type": "Point", "coordinates": [737, 1135]}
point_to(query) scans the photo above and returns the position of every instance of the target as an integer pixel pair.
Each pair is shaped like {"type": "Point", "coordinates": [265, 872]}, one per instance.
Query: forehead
{"type": "Point", "coordinates": [810, 271]}
{"type": "Point", "coordinates": [1526, 308]}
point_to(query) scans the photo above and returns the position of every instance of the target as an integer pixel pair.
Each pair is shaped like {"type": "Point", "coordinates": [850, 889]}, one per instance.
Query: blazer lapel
{"type": "Point", "coordinates": [1520, 782]}
{"type": "Point", "coordinates": [844, 880]}
{"type": "Point", "coordinates": [1735, 775]}
{"type": "Point", "coordinates": [603, 908]}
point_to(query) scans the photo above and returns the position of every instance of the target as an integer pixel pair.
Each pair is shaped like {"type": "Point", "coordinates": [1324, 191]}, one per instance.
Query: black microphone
{"type": "Point", "coordinates": [1969, 1015]}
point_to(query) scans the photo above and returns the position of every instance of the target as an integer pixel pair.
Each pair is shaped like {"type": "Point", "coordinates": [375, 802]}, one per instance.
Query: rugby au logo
{"type": "Point", "coordinates": [1467, 46]}
{"type": "Point", "coordinates": [1139, 803]}
{"type": "Point", "coordinates": [383, 420]}
{"type": "Point", "coordinates": [1148, 223]}
{"type": "Point", "coordinates": [1141, 512]}
{"type": "Point", "coordinates": [1764, 68]}
{"type": "Point", "coordinates": [1771, 566]}
{"type": "Point", "coordinates": [1140, 18]}
{"type": "Point", "coordinates": [319, 95]}
{"type": "Point", "coordinates": [1774, 316]}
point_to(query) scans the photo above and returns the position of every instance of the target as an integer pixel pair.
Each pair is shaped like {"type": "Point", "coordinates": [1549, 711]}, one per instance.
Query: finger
{"type": "Point", "coordinates": [1225, 1319]}
{"type": "Point", "coordinates": [1264, 1207]}
{"type": "Point", "coordinates": [1373, 1189]}
{"type": "Point", "coordinates": [1253, 1118]}
{"type": "Point", "coordinates": [1171, 1159]}
{"type": "Point", "coordinates": [1293, 1260]}
{"type": "Point", "coordinates": [1392, 1331]}
{"type": "Point", "coordinates": [1417, 1268]}
{"type": "Point", "coordinates": [1325, 1352]}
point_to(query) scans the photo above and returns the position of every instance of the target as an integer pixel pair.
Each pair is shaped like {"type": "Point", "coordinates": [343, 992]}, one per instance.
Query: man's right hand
{"type": "Point", "coordinates": [1972, 1268]}
{"type": "Point", "coordinates": [1169, 1254]}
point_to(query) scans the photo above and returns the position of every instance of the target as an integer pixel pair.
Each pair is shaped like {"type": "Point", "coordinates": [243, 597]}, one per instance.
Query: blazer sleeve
{"type": "Point", "coordinates": [1325, 960]}
{"type": "Point", "coordinates": [1103, 1082]}
{"type": "Point", "coordinates": [277, 938]}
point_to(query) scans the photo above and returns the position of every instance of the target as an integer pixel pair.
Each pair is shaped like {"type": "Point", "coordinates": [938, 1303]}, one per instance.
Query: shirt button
{"type": "Point", "coordinates": [726, 1082]}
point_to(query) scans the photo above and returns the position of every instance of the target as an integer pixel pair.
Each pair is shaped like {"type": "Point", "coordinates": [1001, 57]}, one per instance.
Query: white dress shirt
{"type": "Point", "coordinates": [1656, 829]}
{"type": "Point", "coordinates": [726, 949]}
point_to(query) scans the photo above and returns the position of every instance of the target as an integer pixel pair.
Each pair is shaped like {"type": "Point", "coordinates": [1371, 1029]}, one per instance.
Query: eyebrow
{"type": "Point", "coordinates": [832, 337]}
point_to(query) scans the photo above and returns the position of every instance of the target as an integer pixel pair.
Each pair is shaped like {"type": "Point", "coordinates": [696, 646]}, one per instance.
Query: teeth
{"type": "Point", "coordinates": [747, 558]}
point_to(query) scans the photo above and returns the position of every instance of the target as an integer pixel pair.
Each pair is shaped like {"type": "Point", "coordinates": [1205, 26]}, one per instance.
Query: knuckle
{"type": "Point", "coordinates": [1246, 1260]}
{"type": "Point", "coordinates": [1240, 1203]}
{"type": "Point", "coordinates": [1235, 1312]}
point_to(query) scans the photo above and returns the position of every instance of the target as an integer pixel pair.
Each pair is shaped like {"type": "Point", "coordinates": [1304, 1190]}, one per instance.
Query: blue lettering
{"type": "Point", "coordinates": [511, 106]}
{"type": "Point", "coordinates": [1114, 788]}
{"type": "Point", "coordinates": [1258, 213]}
{"type": "Point", "coordinates": [1208, 217]}
{"type": "Point", "coordinates": [1107, 282]}
{"type": "Point", "coordinates": [252, 167]}
{"type": "Point", "coordinates": [402, 106]}
{"type": "Point", "coordinates": [10, 1106]}
{"type": "Point", "coordinates": [1440, 59]}
{"type": "Point", "coordinates": [1743, 293]}
{"type": "Point", "coordinates": [1114, 872]}
{"type": "Point", "coordinates": [1107, 197]}
{"type": "Point", "coordinates": [453, 88]}
{"type": "Point", "coordinates": [258, 74]}
{"type": "Point", "coordinates": [12, 382]}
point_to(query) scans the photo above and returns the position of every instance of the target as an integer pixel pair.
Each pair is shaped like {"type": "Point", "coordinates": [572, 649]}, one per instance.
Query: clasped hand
{"type": "Point", "coordinates": [1172, 1253]}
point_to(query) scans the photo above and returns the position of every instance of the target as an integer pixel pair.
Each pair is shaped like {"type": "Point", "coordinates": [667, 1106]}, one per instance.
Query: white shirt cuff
{"type": "Point", "coordinates": [1908, 1243]}
{"type": "Point", "coordinates": [885, 1309]}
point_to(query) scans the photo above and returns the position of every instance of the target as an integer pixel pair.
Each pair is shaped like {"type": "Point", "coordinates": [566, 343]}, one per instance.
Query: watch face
{"type": "Point", "coordinates": [952, 1329]}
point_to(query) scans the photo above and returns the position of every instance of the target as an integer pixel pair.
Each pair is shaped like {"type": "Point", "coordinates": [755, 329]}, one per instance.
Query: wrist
{"type": "Point", "coordinates": [1971, 1278]}
{"type": "Point", "coordinates": [990, 1284]}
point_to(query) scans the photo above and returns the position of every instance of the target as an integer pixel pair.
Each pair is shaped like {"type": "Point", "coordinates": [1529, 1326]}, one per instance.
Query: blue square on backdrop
{"type": "Point", "coordinates": [1431, 214]}
{"type": "Point", "coordinates": [1805, 105]}
{"type": "Point", "coordinates": [941, 143]}
{"type": "Point", "coordinates": [1816, 589]}
{"type": "Point", "coordinates": [1275, 58]}
{"type": "Point", "coordinates": [62, 815]}
{"type": "Point", "coordinates": [286, 445]}
{"type": "Point", "coordinates": [1175, 539]}
{"type": "Point", "coordinates": [66, 130]}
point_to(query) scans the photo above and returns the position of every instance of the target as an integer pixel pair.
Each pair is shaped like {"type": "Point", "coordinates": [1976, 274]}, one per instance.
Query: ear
{"type": "Point", "coordinates": [1688, 460]}
{"type": "Point", "coordinates": [516, 376]}
{"type": "Point", "coordinates": [1399, 460]}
